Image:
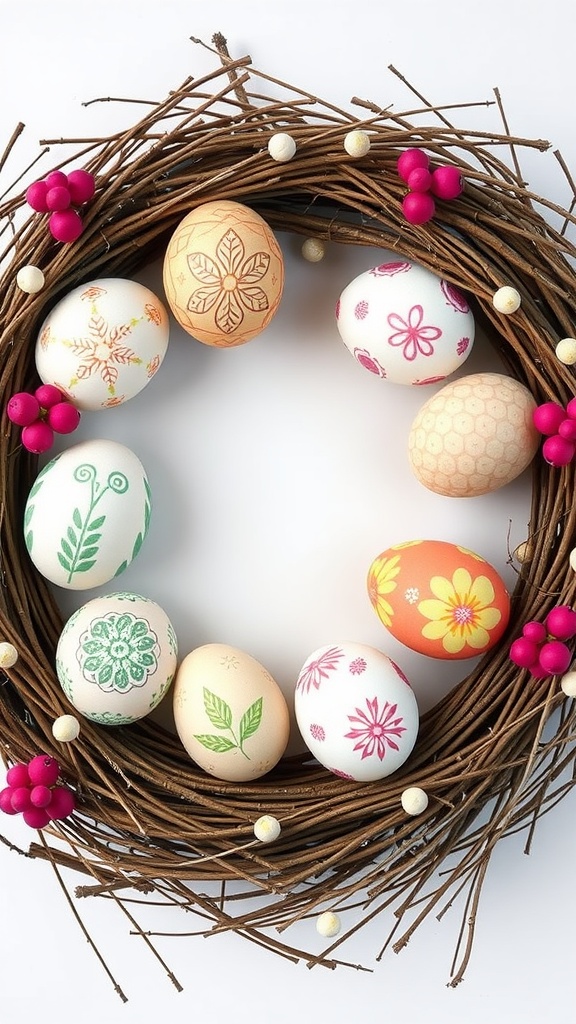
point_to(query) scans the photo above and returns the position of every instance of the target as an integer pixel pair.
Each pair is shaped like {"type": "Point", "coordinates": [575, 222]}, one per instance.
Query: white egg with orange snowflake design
{"type": "Point", "coordinates": [356, 711]}
{"type": "Point", "coordinates": [405, 324]}
{"type": "Point", "coordinates": [103, 342]}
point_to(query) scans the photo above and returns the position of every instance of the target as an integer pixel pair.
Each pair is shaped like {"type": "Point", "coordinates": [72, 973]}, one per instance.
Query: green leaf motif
{"type": "Point", "coordinates": [28, 516]}
{"type": "Point", "coordinates": [71, 534]}
{"type": "Point", "coordinates": [84, 566]}
{"type": "Point", "coordinates": [137, 545]}
{"type": "Point", "coordinates": [251, 720]}
{"type": "Point", "coordinates": [96, 523]}
{"type": "Point", "coordinates": [63, 562]}
{"type": "Point", "coordinates": [29, 540]}
{"type": "Point", "coordinates": [77, 518]}
{"type": "Point", "coordinates": [218, 744]}
{"type": "Point", "coordinates": [123, 565]}
{"type": "Point", "coordinates": [218, 711]}
{"type": "Point", "coordinates": [66, 548]}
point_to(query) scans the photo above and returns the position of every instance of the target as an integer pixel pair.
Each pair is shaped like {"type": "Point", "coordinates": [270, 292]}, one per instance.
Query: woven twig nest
{"type": "Point", "coordinates": [157, 822]}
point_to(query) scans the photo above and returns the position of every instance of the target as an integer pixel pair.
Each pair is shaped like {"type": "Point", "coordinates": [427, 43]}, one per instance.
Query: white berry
{"type": "Point", "coordinates": [566, 351]}
{"type": "Point", "coordinates": [572, 559]}
{"type": "Point", "coordinates": [328, 924]}
{"type": "Point", "coordinates": [414, 800]}
{"type": "Point", "coordinates": [8, 655]}
{"type": "Point", "coordinates": [66, 728]}
{"type": "Point", "coordinates": [568, 684]}
{"type": "Point", "coordinates": [281, 147]}
{"type": "Point", "coordinates": [313, 250]}
{"type": "Point", "coordinates": [506, 300]}
{"type": "Point", "coordinates": [357, 143]}
{"type": "Point", "coordinates": [30, 279]}
{"type": "Point", "coordinates": [267, 828]}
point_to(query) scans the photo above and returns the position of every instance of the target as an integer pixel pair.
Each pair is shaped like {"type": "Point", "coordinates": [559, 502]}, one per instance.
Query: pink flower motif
{"type": "Point", "coordinates": [429, 380]}
{"type": "Point", "coordinates": [399, 672]}
{"type": "Point", "coordinates": [369, 362]}
{"type": "Point", "coordinates": [315, 671]}
{"type": "Point", "coordinates": [317, 732]}
{"type": "Point", "coordinates": [357, 666]}
{"type": "Point", "coordinates": [388, 269]}
{"type": "Point", "coordinates": [375, 729]}
{"type": "Point", "coordinates": [454, 297]}
{"type": "Point", "coordinates": [361, 309]}
{"type": "Point", "coordinates": [412, 334]}
{"type": "Point", "coordinates": [338, 310]}
{"type": "Point", "coordinates": [341, 775]}
{"type": "Point", "coordinates": [462, 346]}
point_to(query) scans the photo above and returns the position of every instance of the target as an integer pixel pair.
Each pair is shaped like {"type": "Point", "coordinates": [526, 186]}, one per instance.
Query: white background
{"type": "Point", "coordinates": [278, 472]}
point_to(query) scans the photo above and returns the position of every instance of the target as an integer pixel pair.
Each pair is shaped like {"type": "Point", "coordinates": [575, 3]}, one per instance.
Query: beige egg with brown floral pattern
{"type": "Point", "coordinates": [223, 274]}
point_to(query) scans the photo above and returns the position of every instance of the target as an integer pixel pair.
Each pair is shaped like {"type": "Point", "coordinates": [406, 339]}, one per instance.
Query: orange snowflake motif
{"type": "Point", "coordinates": [115, 400]}
{"type": "Point", "coordinates": [45, 338]}
{"type": "Point", "coordinates": [152, 366]}
{"type": "Point", "coordinates": [153, 314]}
{"type": "Point", "coordinates": [93, 292]}
{"type": "Point", "coordinates": [103, 350]}
{"type": "Point", "coordinates": [229, 282]}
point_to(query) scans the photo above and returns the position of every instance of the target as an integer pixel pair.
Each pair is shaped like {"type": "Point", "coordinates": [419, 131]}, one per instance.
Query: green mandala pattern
{"type": "Point", "coordinates": [118, 651]}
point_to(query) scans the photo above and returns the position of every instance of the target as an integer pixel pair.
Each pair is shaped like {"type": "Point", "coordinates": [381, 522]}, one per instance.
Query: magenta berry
{"type": "Point", "coordinates": [36, 817]}
{"type": "Point", "coordinates": [447, 182]}
{"type": "Point", "coordinates": [554, 657]}
{"type": "Point", "coordinates": [418, 207]}
{"type": "Point", "coordinates": [6, 801]}
{"type": "Point", "coordinates": [81, 186]}
{"type": "Point", "coordinates": [419, 179]}
{"type": "Point", "coordinates": [535, 631]}
{"type": "Point", "coordinates": [48, 395]}
{"type": "Point", "coordinates": [558, 451]}
{"type": "Point", "coordinates": [548, 417]}
{"type": "Point", "coordinates": [62, 804]}
{"type": "Point", "coordinates": [409, 160]}
{"type": "Point", "coordinates": [538, 671]}
{"type": "Point", "coordinates": [38, 437]}
{"type": "Point", "coordinates": [523, 652]}
{"type": "Point", "coordinates": [56, 179]}
{"type": "Point", "coordinates": [23, 409]}
{"type": "Point", "coordinates": [58, 198]}
{"type": "Point", "coordinates": [567, 429]}
{"type": "Point", "coordinates": [63, 417]}
{"type": "Point", "coordinates": [40, 796]}
{"type": "Point", "coordinates": [21, 799]}
{"type": "Point", "coordinates": [65, 225]}
{"type": "Point", "coordinates": [43, 770]}
{"type": "Point", "coordinates": [561, 622]}
{"type": "Point", "coordinates": [17, 775]}
{"type": "Point", "coordinates": [36, 196]}
{"type": "Point", "coordinates": [571, 409]}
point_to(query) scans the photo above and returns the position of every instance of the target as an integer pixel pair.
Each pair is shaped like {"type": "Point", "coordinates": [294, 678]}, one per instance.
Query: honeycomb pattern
{"type": "Point", "coordinates": [473, 436]}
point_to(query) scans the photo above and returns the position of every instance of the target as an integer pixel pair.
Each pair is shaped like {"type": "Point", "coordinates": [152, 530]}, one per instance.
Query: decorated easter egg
{"type": "Point", "coordinates": [103, 342]}
{"type": "Point", "coordinates": [230, 714]}
{"type": "Point", "coordinates": [403, 323]}
{"type": "Point", "coordinates": [356, 711]}
{"type": "Point", "coordinates": [474, 436]}
{"type": "Point", "coordinates": [87, 514]}
{"type": "Point", "coordinates": [439, 599]}
{"type": "Point", "coordinates": [116, 658]}
{"type": "Point", "coordinates": [223, 273]}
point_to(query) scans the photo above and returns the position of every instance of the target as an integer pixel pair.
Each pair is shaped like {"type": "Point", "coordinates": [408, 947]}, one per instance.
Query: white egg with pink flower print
{"type": "Point", "coordinates": [405, 324]}
{"type": "Point", "coordinates": [356, 711]}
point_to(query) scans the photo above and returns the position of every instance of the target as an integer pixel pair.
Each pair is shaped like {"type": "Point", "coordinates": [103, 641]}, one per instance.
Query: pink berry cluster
{"type": "Point", "coordinates": [445, 182]}
{"type": "Point", "coordinates": [40, 415]}
{"type": "Point", "coordinates": [58, 194]}
{"type": "Point", "coordinates": [32, 791]}
{"type": "Point", "coordinates": [541, 648]}
{"type": "Point", "coordinates": [559, 426]}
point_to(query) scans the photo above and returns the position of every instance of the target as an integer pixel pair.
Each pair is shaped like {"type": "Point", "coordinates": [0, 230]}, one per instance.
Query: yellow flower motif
{"type": "Point", "coordinates": [466, 551]}
{"type": "Point", "coordinates": [460, 612]}
{"type": "Point", "coordinates": [381, 582]}
{"type": "Point", "coordinates": [405, 544]}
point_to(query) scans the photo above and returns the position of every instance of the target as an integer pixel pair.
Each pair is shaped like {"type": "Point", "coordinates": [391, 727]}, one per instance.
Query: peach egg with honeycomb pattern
{"type": "Point", "coordinates": [474, 436]}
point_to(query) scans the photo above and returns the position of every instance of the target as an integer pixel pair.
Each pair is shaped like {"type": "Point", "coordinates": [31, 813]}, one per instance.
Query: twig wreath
{"type": "Point", "coordinates": [157, 823]}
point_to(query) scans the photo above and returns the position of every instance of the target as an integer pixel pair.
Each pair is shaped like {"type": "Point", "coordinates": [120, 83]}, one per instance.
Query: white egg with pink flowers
{"type": "Point", "coordinates": [356, 711]}
{"type": "Point", "coordinates": [405, 324]}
